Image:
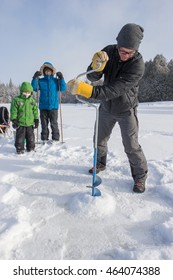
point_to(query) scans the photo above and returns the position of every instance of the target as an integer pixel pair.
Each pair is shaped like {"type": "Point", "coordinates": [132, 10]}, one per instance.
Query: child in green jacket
{"type": "Point", "coordinates": [24, 117]}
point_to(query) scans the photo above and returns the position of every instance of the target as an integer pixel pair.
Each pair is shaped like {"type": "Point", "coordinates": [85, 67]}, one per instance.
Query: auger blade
{"type": "Point", "coordinates": [96, 192]}
{"type": "Point", "coordinates": [97, 181]}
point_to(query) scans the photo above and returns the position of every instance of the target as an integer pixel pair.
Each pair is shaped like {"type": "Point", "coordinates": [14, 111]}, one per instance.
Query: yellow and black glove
{"type": "Point", "coordinates": [99, 58]}
{"type": "Point", "coordinates": [80, 88]}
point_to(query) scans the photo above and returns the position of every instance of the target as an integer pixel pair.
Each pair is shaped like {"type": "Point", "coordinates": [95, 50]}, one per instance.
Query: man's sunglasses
{"type": "Point", "coordinates": [122, 52]}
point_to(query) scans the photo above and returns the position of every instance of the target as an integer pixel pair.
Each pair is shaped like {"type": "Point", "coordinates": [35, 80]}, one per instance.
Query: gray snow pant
{"type": "Point", "coordinates": [128, 123]}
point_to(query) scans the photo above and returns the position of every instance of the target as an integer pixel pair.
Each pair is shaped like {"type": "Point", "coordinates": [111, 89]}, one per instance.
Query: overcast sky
{"type": "Point", "coordinates": [68, 32]}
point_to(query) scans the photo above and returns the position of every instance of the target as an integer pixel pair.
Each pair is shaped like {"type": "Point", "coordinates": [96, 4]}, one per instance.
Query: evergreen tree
{"type": "Point", "coordinates": [169, 81]}
{"type": "Point", "coordinates": [153, 85]}
{"type": "Point", "coordinates": [10, 83]}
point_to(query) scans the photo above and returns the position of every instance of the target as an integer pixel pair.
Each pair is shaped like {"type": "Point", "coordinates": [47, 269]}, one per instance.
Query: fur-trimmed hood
{"type": "Point", "coordinates": [48, 65]}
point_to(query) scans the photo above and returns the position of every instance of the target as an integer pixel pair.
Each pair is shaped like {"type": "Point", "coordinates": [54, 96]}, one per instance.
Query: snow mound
{"type": "Point", "coordinates": [86, 205]}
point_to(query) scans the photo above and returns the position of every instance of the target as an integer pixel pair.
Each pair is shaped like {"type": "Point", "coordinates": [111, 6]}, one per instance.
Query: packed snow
{"type": "Point", "coordinates": [48, 213]}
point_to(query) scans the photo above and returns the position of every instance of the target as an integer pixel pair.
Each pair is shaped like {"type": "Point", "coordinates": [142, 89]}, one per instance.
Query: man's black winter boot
{"type": "Point", "coordinates": [100, 167]}
{"type": "Point", "coordinates": [139, 186]}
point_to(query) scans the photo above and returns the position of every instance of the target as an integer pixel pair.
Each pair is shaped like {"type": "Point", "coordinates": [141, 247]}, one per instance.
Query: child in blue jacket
{"type": "Point", "coordinates": [49, 87]}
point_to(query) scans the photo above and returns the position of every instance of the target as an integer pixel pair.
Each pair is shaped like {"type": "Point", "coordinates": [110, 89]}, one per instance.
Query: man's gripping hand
{"type": "Point", "coordinates": [99, 58]}
{"type": "Point", "coordinates": [80, 88]}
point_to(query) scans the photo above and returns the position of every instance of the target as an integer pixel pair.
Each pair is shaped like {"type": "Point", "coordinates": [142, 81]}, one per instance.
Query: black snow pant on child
{"type": "Point", "coordinates": [22, 133]}
{"type": "Point", "coordinates": [51, 116]}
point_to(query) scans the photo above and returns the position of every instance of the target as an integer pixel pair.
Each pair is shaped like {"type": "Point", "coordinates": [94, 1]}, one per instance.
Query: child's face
{"type": "Point", "coordinates": [27, 94]}
{"type": "Point", "coordinates": [48, 72]}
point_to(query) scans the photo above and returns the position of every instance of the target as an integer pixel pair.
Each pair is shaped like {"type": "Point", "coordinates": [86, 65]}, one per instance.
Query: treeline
{"type": "Point", "coordinates": [156, 84]}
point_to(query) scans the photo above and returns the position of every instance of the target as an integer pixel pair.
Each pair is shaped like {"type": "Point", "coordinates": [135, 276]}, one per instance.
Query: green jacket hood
{"type": "Point", "coordinates": [26, 87]}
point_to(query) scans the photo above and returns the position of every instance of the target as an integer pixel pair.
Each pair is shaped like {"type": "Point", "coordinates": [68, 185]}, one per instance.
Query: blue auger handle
{"type": "Point", "coordinates": [96, 180]}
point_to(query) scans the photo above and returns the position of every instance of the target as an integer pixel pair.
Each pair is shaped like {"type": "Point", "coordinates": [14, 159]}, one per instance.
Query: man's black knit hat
{"type": "Point", "coordinates": [130, 36]}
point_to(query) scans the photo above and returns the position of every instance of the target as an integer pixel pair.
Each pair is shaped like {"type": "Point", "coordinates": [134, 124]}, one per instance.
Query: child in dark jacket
{"type": "Point", "coordinates": [49, 87]}
{"type": "Point", "coordinates": [24, 117]}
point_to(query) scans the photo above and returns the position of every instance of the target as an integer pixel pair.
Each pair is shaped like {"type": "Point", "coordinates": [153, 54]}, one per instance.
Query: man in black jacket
{"type": "Point", "coordinates": [123, 67]}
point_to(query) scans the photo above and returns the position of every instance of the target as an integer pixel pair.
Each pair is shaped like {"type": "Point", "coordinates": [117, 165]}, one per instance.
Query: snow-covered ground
{"type": "Point", "coordinates": [46, 211]}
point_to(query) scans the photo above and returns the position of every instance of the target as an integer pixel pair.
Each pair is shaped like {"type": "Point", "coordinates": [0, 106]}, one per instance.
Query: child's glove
{"type": "Point", "coordinates": [37, 75]}
{"type": "Point", "coordinates": [15, 124]}
{"type": "Point", "coordinates": [99, 58]}
{"type": "Point", "coordinates": [59, 75]}
{"type": "Point", "coordinates": [36, 122]}
{"type": "Point", "coordinates": [77, 87]}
